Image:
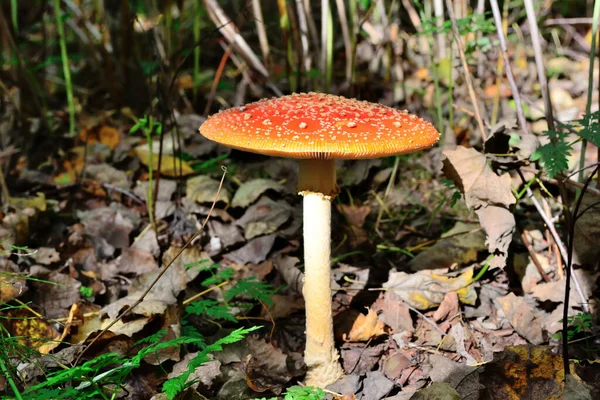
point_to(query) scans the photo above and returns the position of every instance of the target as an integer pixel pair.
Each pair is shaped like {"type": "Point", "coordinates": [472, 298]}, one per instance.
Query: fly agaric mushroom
{"type": "Point", "coordinates": [318, 129]}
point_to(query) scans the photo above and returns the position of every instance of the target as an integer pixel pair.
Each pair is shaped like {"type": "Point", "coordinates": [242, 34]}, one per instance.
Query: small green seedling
{"type": "Point", "coordinates": [149, 127]}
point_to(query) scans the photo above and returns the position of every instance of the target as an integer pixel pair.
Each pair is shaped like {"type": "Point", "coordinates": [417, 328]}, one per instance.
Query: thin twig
{"type": "Point", "coordinates": [539, 61]}
{"type": "Point", "coordinates": [261, 30]}
{"type": "Point", "coordinates": [570, 274]}
{"type": "Point", "coordinates": [517, 96]}
{"type": "Point", "coordinates": [563, 250]}
{"type": "Point", "coordinates": [467, 74]}
{"type": "Point", "coordinates": [507, 65]}
{"type": "Point", "coordinates": [534, 258]}
{"type": "Point", "coordinates": [162, 272]}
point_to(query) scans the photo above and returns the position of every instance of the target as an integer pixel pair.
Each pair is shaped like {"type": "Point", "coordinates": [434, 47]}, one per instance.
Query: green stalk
{"type": "Point", "coordinates": [150, 201]}
{"type": "Point", "coordinates": [196, 29]}
{"type": "Point", "coordinates": [450, 97]}
{"type": "Point", "coordinates": [14, 13]}
{"type": "Point", "coordinates": [9, 378]}
{"type": "Point", "coordinates": [353, 18]}
{"type": "Point", "coordinates": [588, 107]}
{"type": "Point", "coordinates": [329, 62]}
{"type": "Point", "coordinates": [65, 62]}
{"type": "Point", "coordinates": [284, 24]}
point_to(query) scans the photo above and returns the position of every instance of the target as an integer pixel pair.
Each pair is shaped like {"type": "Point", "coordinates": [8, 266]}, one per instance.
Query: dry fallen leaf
{"type": "Point", "coordinates": [522, 317]}
{"type": "Point", "coordinates": [268, 368]}
{"type": "Point", "coordinates": [459, 245]}
{"type": "Point", "coordinates": [488, 194]}
{"type": "Point", "coordinates": [365, 327]}
{"type": "Point", "coordinates": [250, 191]}
{"type": "Point", "coordinates": [264, 217]}
{"type": "Point", "coordinates": [45, 255]}
{"type": "Point", "coordinates": [424, 289]}
{"type": "Point", "coordinates": [204, 189]}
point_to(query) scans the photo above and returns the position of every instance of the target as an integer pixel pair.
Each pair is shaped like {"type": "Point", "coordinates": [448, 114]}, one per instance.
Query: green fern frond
{"type": "Point", "coordinates": [553, 155]}
{"type": "Point", "coordinates": [221, 276]}
{"type": "Point", "coordinates": [176, 385]}
{"type": "Point", "coordinates": [211, 308]}
{"type": "Point", "coordinates": [257, 290]}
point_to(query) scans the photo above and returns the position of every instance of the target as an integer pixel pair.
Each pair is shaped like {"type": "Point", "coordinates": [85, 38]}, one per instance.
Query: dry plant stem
{"type": "Point", "coordinates": [307, 58]}
{"type": "Point", "coordinates": [566, 255]}
{"type": "Point", "coordinates": [202, 293]}
{"type": "Point", "coordinates": [218, 73]}
{"type": "Point", "coordinates": [4, 188]}
{"type": "Point", "coordinates": [388, 189]}
{"type": "Point", "coordinates": [568, 21]}
{"type": "Point", "coordinates": [467, 74]}
{"type": "Point", "coordinates": [517, 97]}
{"type": "Point", "coordinates": [539, 61]}
{"type": "Point", "coordinates": [324, 37]}
{"type": "Point", "coordinates": [533, 256]}
{"type": "Point", "coordinates": [588, 106]}
{"type": "Point", "coordinates": [509, 74]}
{"type": "Point", "coordinates": [438, 9]}
{"type": "Point", "coordinates": [261, 30]}
{"type": "Point", "coordinates": [162, 272]}
{"type": "Point", "coordinates": [480, 9]}
{"type": "Point", "coordinates": [416, 21]}
{"type": "Point", "coordinates": [228, 30]}
{"type": "Point", "coordinates": [346, 35]}
{"type": "Point", "coordinates": [563, 250]}
{"type": "Point", "coordinates": [320, 356]}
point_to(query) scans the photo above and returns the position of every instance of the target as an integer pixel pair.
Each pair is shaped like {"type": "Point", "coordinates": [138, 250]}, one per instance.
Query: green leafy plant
{"type": "Point", "coordinates": [553, 156]}
{"type": "Point", "coordinates": [149, 127]}
{"type": "Point", "coordinates": [86, 291]}
{"type": "Point", "coordinates": [107, 372]}
{"type": "Point", "coordinates": [301, 393]}
{"type": "Point", "coordinates": [241, 290]}
{"type": "Point", "coordinates": [65, 62]}
{"type": "Point", "coordinates": [579, 323]}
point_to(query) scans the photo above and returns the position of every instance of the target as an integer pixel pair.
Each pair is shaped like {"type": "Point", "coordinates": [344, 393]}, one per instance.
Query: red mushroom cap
{"type": "Point", "coordinates": [322, 126]}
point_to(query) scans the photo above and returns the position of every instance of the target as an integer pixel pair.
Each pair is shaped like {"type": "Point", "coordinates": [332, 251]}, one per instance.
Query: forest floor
{"type": "Point", "coordinates": [447, 276]}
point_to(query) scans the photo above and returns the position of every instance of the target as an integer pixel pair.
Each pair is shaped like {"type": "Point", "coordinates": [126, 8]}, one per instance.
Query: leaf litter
{"type": "Point", "coordinates": [415, 312]}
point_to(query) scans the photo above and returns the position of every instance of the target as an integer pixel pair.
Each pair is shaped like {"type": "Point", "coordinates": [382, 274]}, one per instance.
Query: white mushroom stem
{"type": "Point", "coordinates": [320, 356]}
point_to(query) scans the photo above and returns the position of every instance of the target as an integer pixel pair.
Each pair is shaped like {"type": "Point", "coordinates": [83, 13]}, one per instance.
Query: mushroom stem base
{"type": "Point", "coordinates": [320, 356]}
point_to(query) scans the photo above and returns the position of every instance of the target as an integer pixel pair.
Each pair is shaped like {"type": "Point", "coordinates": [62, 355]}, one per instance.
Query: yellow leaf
{"type": "Point", "coordinates": [169, 165]}
{"type": "Point", "coordinates": [38, 202]}
{"type": "Point", "coordinates": [365, 327]}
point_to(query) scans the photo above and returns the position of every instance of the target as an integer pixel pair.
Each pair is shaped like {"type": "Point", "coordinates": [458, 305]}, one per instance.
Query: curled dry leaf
{"type": "Point", "coordinates": [264, 217]}
{"type": "Point", "coordinates": [522, 317]}
{"type": "Point", "coordinates": [488, 194]}
{"type": "Point", "coordinates": [250, 191]}
{"type": "Point", "coordinates": [56, 296]}
{"type": "Point", "coordinates": [424, 289]}
{"type": "Point", "coordinates": [394, 312]}
{"type": "Point", "coordinates": [255, 251]}
{"type": "Point", "coordinates": [45, 255]}
{"type": "Point", "coordinates": [105, 173]}
{"type": "Point", "coordinates": [459, 245]}
{"type": "Point", "coordinates": [269, 368]}
{"type": "Point", "coordinates": [204, 189]}
{"type": "Point", "coordinates": [365, 327]}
